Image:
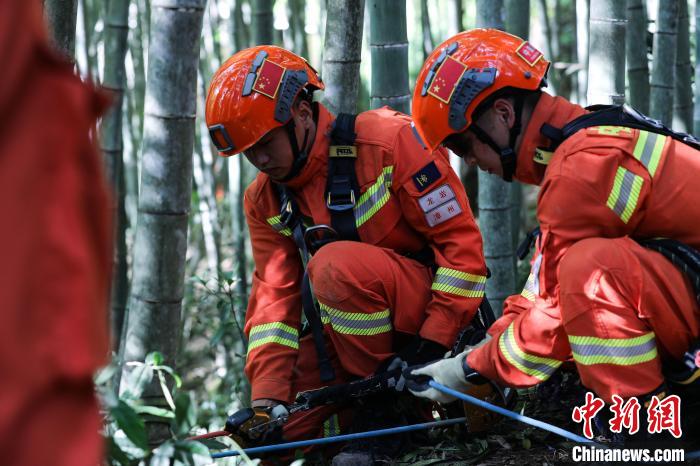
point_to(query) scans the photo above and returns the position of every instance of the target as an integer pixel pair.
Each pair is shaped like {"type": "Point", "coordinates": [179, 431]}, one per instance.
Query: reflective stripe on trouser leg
{"type": "Point", "coordinates": [533, 365]}
{"type": "Point", "coordinates": [367, 294]}
{"type": "Point", "coordinates": [624, 308]}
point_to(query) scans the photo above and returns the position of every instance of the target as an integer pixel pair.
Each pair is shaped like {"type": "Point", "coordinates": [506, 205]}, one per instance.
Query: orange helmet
{"type": "Point", "coordinates": [253, 93]}
{"type": "Point", "coordinates": [463, 72]}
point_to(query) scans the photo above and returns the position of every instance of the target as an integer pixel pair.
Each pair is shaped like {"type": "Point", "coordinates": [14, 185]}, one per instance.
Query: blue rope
{"type": "Point", "coordinates": [340, 438]}
{"type": "Point", "coordinates": [513, 415]}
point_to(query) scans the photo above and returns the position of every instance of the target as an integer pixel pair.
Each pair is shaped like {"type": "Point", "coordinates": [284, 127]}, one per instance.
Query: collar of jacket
{"type": "Point", "coordinates": [318, 154]}
{"type": "Point", "coordinates": [556, 111]}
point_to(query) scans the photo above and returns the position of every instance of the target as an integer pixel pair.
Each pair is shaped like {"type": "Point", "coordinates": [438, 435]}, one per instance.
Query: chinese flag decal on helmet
{"type": "Point", "coordinates": [446, 79]}
{"type": "Point", "coordinates": [269, 79]}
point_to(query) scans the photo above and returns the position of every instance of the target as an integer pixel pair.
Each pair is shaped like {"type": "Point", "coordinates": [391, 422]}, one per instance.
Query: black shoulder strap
{"type": "Point", "coordinates": [290, 217]}
{"type": "Point", "coordinates": [342, 189]}
{"type": "Point", "coordinates": [614, 115]}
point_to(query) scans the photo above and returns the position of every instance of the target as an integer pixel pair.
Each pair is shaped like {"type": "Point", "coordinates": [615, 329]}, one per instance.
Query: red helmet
{"type": "Point", "coordinates": [253, 93]}
{"type": "Point", "coordinates": [464, 71]}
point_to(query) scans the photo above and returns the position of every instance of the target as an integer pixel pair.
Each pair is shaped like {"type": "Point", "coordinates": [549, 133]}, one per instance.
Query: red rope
{"type": "Point", "coordinates": [216, 433]}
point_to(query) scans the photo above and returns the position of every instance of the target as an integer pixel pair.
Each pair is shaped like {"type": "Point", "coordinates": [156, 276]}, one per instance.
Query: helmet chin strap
{"type": "Point", "coordinates": [507, 155]}
{"type": "Point", "coordinates": [300, 154]}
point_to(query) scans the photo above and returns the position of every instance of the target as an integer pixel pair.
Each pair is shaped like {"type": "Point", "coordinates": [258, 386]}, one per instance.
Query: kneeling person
{"type": "Point", "coordinates": [407, 270]}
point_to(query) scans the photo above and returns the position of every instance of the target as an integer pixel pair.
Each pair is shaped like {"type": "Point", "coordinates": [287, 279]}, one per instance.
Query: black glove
{"type": "Point", "coordinates": [418, 351]}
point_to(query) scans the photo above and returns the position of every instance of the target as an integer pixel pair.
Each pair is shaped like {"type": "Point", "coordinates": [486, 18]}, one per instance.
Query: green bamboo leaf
{"type": "Point", "coordinates": [166, 390]}
{"type": "Point", "coordinates": [155, 358]}
{"type": "Point", "coordinates": [169, 370]}
{"type": "Point", "coordinates": [155, 411]}
{"type": "Point", "coordinates": [185, 413]}
{"type": "Point", "coordinates": [131, 423]}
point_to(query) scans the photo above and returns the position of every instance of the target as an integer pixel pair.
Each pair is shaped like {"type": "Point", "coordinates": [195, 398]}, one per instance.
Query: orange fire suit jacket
{"type": "Point", "coordinates": [605, 182]}
{"type": "Point", "coordinates": [395, 173]}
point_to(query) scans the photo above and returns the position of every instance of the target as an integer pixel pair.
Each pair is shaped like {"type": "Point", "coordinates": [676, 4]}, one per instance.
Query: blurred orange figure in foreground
{"type": "Point", "coordinates": [54, 249]}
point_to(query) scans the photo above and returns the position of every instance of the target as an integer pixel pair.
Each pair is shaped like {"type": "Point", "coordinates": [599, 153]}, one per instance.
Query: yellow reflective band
{"type": "Point", "coordinates": [356, 323]}
{"type": "Point", "coordinates": [617, 351]}
{"type": "Point", "coordinates": [625, 193]}
{"type": "Point", "coordinates": [374, 198]}
{"type": "Point", "coordinates": [276, 223]}
{"type": "Point", "coordinates": [273, 332]}
{"type": "Point", "coordinates": [527, 294]}
{"type": "Point", "coordinates": [331, 426]}
{"type": "Point", "coordinates": [648, 150]}
{"type": "Point", "coordinates": [606, 130]}
{"type": "Point", "coordinates": [534, 366]}
{"type": "Point", "coordinates": [529, 291]}
{"type": "Point", "coordinates": [459, 283]}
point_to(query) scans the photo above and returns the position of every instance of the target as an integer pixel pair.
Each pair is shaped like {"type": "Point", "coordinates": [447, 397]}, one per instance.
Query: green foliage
{"type": "Point", "coordinates": [127, 415]}
{"type": "Point", "coordinates": [214, 345]}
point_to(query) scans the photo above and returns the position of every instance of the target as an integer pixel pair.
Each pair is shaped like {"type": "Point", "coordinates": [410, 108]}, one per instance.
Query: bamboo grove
{"type": "Point", "coordinates": [182, 265]}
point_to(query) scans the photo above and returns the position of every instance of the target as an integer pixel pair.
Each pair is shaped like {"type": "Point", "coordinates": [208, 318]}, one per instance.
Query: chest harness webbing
{"type": "Point", "coordinates": [342, 191]}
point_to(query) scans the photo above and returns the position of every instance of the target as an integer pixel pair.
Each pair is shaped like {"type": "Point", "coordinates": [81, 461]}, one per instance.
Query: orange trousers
{"type": "Point", "coordinates": [626, 309]}
{"type": "Point", "coordinates": [372, 299]}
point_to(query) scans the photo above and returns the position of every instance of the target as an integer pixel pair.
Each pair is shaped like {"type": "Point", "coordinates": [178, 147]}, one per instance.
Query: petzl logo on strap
{"type": "Point", "coordinates": [269, 78]}
{"type": "Point", "coordinates": [342, 151]}
{"type": "Point", "coordinates": [446, 79]}
{"type": "Point", "coordinates": [529, 53]}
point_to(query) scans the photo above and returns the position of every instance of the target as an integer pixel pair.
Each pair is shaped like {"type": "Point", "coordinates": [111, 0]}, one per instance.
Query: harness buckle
{"type": "Point", "coordinates": [317, 236]}
{"type": "Point", "coordinates": [341, 201]}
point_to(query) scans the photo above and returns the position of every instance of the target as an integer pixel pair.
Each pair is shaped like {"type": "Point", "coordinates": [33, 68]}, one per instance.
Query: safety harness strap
{"type": "Point", "coordinates": [290, 217]}
{"type": "Point", "coordinates": [614, 115]}
{"type": "Point", "coordinates": [342, 188]}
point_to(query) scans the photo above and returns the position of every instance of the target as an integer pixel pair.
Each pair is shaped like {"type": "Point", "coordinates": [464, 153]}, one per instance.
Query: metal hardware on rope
{"type": "Point", "coordinates": [339, 438]}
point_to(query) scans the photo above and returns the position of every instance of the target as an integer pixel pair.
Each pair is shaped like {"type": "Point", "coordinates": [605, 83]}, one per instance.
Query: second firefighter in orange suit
{"type": "Point", "coordinates": [369, 291]}
{"type": "Point", "coordinates": [621, 311]}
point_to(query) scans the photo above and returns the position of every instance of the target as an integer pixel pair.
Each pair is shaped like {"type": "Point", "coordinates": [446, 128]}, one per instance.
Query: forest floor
{"type": "Point", "coordinates": [513, 443]}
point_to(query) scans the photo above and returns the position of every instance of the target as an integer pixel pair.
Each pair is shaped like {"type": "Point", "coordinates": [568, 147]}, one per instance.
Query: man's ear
{"type": "Point", "coordinates": [302, 111]}
{"type": "Point", "coordinates": [505, 111]}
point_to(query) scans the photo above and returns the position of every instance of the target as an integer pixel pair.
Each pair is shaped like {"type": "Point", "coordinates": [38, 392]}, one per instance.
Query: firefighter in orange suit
{"type": "Point", "coordinates": [370, 292]}
{"type": "Point", "coordinates": [55, 249]}
{"type": "Point", "coordinates": [620, 310]}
